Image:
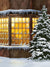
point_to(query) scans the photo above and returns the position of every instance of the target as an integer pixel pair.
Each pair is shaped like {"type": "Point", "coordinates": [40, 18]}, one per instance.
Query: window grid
{"type": "Point", "coordinates": [21, 32]}
{"type": "Point", "coordinates": [4, 31]}
{"type": "Point", "coordinates": [34, 22]}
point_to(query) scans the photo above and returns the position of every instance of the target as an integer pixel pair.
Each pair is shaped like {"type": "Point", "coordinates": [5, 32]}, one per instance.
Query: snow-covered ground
{"type": "Point", "coordinates": [22, 62]}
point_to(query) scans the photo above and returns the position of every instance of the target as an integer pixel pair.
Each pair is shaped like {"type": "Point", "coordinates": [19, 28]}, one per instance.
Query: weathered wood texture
{"type": "Point", "coordinates": [15, 53]}
{"type": "Point", "coordinates": [24, 4]}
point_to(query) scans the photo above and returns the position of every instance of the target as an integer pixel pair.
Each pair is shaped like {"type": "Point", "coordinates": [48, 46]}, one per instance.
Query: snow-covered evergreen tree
{"type": "Point", "coordinates": [40, 45]}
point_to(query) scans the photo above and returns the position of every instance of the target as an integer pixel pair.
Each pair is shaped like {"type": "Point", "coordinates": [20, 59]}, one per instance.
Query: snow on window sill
{"type": "Point", "coordinates": [15, 47]}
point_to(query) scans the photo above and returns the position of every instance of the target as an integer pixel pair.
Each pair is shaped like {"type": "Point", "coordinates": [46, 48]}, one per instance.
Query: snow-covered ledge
{"type": "Point", "coordinates": [20, 11]}
{"type": "Point", "coordinates": [15, 47]}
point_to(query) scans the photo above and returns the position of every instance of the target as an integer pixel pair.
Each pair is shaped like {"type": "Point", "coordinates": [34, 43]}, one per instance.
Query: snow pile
{"type": "Point", "coordinates": [21, 11]}
{"type": "Point", "coordinates": [22, 62]}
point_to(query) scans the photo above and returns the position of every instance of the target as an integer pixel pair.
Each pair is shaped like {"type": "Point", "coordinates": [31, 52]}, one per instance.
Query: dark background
{"type": "Point", "coordinates": [24, 4]}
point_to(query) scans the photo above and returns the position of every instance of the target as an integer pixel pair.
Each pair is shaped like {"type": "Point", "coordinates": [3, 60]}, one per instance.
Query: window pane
{"type": "Point", "coordinates": [20, 41]}
{"type": "Point", "coordinates": [27, 20]}
{"type": "Point", "coordinates": [24, 35]}
{"type": "Point", "coordinates": [20, 25]}
{"type": "Point", "coordinates": [34, 22]}
{"type": "Point", "coordinates": [12, 25]}
{"type": "Point", "coordinates": [16, 20]}
{"type": "Point", "coordinates": [27, 36]}
{"type": "Point", "coordinates": [12, 31]}
{"type": "Point", "coordinates": [12, 35]}
{"type": "Point", "coordinates": [20, 20]}
{"type": "Point", "coordinates": [16, 25]}
{"type": "Point", "coordinates": [16, 36]}
{"type": "Point", "coordinates": [20, 36]}
{"type": "Point", "coordinates": [24, 25]}
{"type": "Point", "coordinates": [24, 20]}
{"type": "Point", "coordinates": [16, 41]}
{"type": "Point", "coordinates": [27, 31]}
{"type": "Point", "coordinates": [24, 41]}
{"type": "Point", "coordinates": [4, 31]}
{"type": "Point", "coordinates": [27, 25]}
{"type": "Point", "coordinates": [12, 20]}
{"type": "Point", "coordinates": [24, 30]}
{"type": "Point", "coordinates": [17, 31]}
{"type": "Point", "coordinates": [27, 41]}
{"type": "Point", "coordinates": [20, 29]}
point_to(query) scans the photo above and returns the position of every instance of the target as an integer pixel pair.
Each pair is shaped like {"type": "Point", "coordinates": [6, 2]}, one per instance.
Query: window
{"type": "Point", "coordinates": [20, 30]}
{"type": "Point", "coordinates": [4, 31]}
{"type": "Point", "coordinates": [34, 22]}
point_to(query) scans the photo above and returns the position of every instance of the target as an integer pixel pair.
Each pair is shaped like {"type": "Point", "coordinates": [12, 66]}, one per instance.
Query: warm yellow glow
{"type": "Point", "coordinates": [27, 41]}
{"type": "Point", "coordinates": [12, 19]}
{"type": "Point", "coordinates": [16, 30]}
{"type": "Point", "coordinates": [4, 20]}
{"type": "Point", "coordinates": [24, 35]}
{"type": "Point", "coordinates": [12, 30]}
{"type": "Point", "coordinates": [7, 20]}
{"type": "Point", "coordinates": [27, 30]}
{"type": "Point", "coordinates": [16, 36]}
{"type": "Point", "coordinates": [34, 22]}
{"type": "Point", "coordinates": [16, 25]}
{"type": "Point", "coordinates": [20, 30]}
{"type": "Point", "coordinates": [23, 30]}
{"type": "Point", "coordinates": [0, 20]}
{"type": "Point", "coordinates": [24, 25]}
{"type": "Point", "coordinates": [27, 20]}
{"type": "Point", "coordinates": [36, 19]}
{"type": "Point", "coordinates": [12, 25]}
{"type": "Point", "coordinates": [20, 20]}
{"type": "Point", "coordinates": [16, 20]}
{"type": "Point", "coordinates": [12, 35]}
{"type": "Point", "coordinates": [16, 41]}
{"type": "Point", "coordinates": [27, 25]}
{"type": "Point", "coordinates": [20, 25]}
{"type": "Point", "coordinates": [24, 20]}
{"type": "Point", "coordinates": [20, 36]}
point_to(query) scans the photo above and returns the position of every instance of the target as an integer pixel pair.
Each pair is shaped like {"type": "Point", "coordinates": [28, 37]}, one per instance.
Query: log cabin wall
{"type": "Point", "coordinates": [24, 4]}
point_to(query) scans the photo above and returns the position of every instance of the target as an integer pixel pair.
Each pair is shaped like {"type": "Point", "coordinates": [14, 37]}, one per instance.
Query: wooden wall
{"type": "Point", "coordinates": [24, 4]}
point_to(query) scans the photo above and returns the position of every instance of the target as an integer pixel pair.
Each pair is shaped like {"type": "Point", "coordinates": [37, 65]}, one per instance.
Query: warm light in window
{"type": "Point", "coordinates": [36, 19]}
{"type": "Point", "coordinates": [20, 20]}
{"type": "Point", "coordinates": [12, 25]}
{"type": "Point", "coordinates": [20, 28]}
{"type": "Point", "coordinates": [20, 36]}
{"type": "Point", "coordinates": [12, 20]}
{"type": "Point", "coordinates": [27, 20]}
{"type": "Point", "coordinates": [20, 25]}
{"type": "Point", "coordinates": [0, 20]}
{"type": "Point", "coordinates": [24, 25]}
{"type": "Point", "coordinates": [16, 20]}
{"type": "Point", "coordinates": [7, 20]}
{"type": "Point", "coordinates": [12, 30]}
{"type": "Point", "coordinates": [16, 35]}
{"type": "Point", "coordinates": [27, 25]}
{"type": "Point", "coordinates": [16, 31]}
{"type": "Point", "coordinates": [24, 20]}
{"type": "Point", "coordinates": [34, 22]}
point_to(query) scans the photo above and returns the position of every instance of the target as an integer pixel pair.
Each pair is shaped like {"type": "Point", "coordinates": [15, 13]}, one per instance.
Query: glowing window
{"type": "Point", "coordinates": [4, 36]}
{"type": "Point", "coordinates": [20, 30]}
